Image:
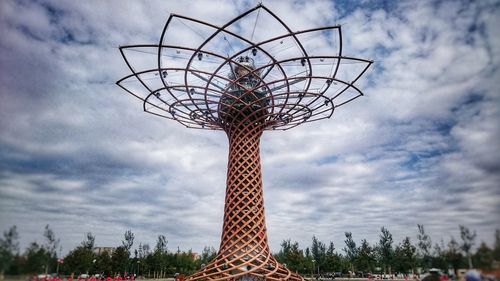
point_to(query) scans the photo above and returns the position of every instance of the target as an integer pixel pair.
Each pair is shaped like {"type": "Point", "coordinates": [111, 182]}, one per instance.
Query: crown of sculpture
{"type": "Point", "coordinates": [210, 77]}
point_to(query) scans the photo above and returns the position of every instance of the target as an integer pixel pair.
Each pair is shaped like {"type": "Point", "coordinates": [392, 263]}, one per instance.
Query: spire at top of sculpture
{"type": "Point", "coordinates": [253, 67]}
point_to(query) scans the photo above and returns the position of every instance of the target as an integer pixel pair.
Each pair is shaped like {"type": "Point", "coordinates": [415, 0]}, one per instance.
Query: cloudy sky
{"type": "Point", "coordinates": [78, 153]}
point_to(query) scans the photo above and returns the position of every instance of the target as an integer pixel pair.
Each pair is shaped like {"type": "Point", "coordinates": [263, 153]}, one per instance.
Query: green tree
{"type": "Point", "coordinates": [318, 251]}
{"type": "Point", "coordinates": [161, 244]}
{"type": "Point", "coordinates": [496, 249]}
{"type": "Point", "coordinates": [103, 263]}
{"type": "Point", "coordinates": [468, 238]}
{"type": "Point", "coordinates": [453, 255]}
{"type": "Point", "coordinates": [404, 256]}
{"type": "Point", "coordinates": [81, 259]}
{"type": "Point", "coordinates": [119, 260]}
{"type": "Point", "coordinates": [291, 255]}
{"type": "Point", "coordinates": [308, 261]}
{"type": "Point", "coordinates": [78, 260]}
{"type": "Point", "coordinates": [160, 260]}
{"type": "Point", "coordinates": [89, 241]}
{"type": "Point", "coordinates": [143, 250]}
{"type": "Point", "coordinates": [129, 240]}
{"type": "Point", "coordinates": [333, 262]}
{"type": "Point", "coordinates": [386, 252]}
{"type": "Point", "coordinates": [36, 259]}
{"type": "Point", "coordinates": [142, 254]}
{"type": "Point", "coordinates": [127, 243]}
{"type": "Point", "coordinates": [50, 246]}
{"type": "Point", "coordinates": [483, 258]}
{"type": "Point", "coordinates": [184, 262]}
{"type": "Point", "coordinates": [147, 267]}
{"type": "Point", "coordinates": [424, 246]}
{"type": "Point", "coordinates": [9, 248]}
{"type": "Point", "coordinates": [350, 250]}
{"type": "Point", "coordinates": [439, 258]}
{"type": "Point", "coordinates": [207, 255]}
{"type": "Point", "coordinates": [17, 266]}
{"type": "Point", "coordinates": [365, 259]}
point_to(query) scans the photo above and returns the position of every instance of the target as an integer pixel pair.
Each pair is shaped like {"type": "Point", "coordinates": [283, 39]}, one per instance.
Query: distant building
{"type": "Point", "coordinates": [195, 256]}
{"type": "Point", "coordinates": [99, 250]}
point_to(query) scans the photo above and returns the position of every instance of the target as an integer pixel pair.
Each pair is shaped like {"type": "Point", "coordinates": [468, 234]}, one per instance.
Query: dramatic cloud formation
{"type": "Point", "coordinates": [78, 153]}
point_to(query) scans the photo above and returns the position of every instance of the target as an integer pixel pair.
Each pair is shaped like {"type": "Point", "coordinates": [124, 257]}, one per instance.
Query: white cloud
{"type": "Point", "coordinates": [420, 147]}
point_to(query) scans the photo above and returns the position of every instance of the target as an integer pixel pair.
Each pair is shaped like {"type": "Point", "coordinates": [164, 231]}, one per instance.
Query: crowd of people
{"type": "Point", "coordinates": [84, 277]}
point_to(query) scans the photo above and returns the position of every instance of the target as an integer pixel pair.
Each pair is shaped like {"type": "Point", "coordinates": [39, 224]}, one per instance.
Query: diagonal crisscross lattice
{"type": "Point", "coordinates": [244, 249]}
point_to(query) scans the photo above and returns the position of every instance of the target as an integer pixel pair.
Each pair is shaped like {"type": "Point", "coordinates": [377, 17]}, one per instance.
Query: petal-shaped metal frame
{"type": "Point", "coordinates": [289, 90]}
{"type": "Point", "coordinates": [195, 105]}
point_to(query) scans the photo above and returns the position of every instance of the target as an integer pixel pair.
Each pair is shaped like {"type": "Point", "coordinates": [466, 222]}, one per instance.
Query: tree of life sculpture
{"type": "Point", "coordinates": [250, 75]}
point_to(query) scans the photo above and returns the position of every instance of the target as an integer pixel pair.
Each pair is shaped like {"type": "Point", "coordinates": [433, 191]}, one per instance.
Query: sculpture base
{"type": "Point", "coordinates": [217, 270]}
{"type": "Point", "coordinates": [249, 278]}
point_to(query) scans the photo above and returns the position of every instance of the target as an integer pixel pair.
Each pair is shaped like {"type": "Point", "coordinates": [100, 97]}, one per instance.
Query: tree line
{"type": "Point", "coordinates": [389, 257]}
{"type": "Point", "coordinates": [384, 257]}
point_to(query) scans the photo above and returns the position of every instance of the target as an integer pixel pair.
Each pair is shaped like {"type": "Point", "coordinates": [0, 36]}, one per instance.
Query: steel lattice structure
{"type": "Point", "coordinates": [243, 83]}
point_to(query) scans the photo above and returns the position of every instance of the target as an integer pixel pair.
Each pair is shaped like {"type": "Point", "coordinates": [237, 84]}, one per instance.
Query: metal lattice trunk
{"type": "Point", "coordinates": [244, 250]}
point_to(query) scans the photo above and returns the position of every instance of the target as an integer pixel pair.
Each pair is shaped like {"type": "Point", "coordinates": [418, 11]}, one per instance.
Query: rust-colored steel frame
{"type": "Point", "coordinates": [200, 112]}
{"type": "Point", "coordinates": [281, 104]}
